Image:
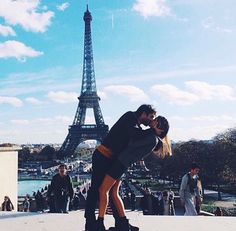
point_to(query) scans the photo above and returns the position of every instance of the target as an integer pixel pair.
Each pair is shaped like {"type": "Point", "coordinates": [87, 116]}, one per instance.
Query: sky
{"type": "Point", "coordinates": [178, 55]}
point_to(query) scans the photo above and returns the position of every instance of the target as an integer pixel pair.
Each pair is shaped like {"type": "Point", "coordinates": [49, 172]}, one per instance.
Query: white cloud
{"type": "Point", "coordinates": [59, 119]}
{"type": "Point", "coordinates": [62, 96]}
{"type": "Point", "coordinates": [149, 8]}
{"type": "Point", "coordinates": [199, 127]}
{"type": "Point", "coordinates": [11, 100]}
{"type": "Point", "coordinates": [196, 91]}
{"type": "Point", "coordinates": [207, 91]}
{"type": "Point", "coordinates": [6, 31]}
{"type": "Point", "coordinates": [203, 119]}
{"type": "Point", "coordinates": [174, 95]}
{"type": "Point", "coordinates": [63, 119]}
{"type": "Point", "coordinates": [33, 101]}
{"type": "Point", "coordinates": [44, 121]}
{"type": "Point", "coordinates": [210, 24]}
{"type": "Point", "coordinates": [18, 50]}
{"type": "Point", "coordinates": [133, 93]}
{"type": "Point", "coordinates": [20, 122]}
{"type": "Point", "coordinates": [63, 6]}
{"type": "Point", "coordinates": [222, 118]}
{"type": "Point", "coordinates": [26, 13]}
{"type": "Point", "coordinates": [102, 94]}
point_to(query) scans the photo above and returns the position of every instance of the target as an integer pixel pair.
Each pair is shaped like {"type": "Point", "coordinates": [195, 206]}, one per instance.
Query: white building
{"type": "Point", "coordinates": [9, 174]}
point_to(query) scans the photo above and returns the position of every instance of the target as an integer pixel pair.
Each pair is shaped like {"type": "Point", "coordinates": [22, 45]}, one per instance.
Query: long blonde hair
{"type": "Point", "coordinates": [165, 149]}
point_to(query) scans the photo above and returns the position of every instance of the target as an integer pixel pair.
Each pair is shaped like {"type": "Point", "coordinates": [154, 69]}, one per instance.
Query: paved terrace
{"type": "Point", "coordinates": [74, 221]}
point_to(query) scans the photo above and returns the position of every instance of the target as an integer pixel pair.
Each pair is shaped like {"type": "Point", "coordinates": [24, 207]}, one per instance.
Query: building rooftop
{"type": "Point", "coordinates": [74, 221]}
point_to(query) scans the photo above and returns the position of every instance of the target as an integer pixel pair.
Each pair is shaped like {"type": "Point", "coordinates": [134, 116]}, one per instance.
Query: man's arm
{"type": "Point", "coordinates": [183, 188]}
{"type": "Point", "coordinates": [198, 191]}
{"type": "Point", "coordinates": [51, 187]}
{"type": "Point", "coordinates": [136, 133]}
{"type": "Point", "coordinates": [70, 187]}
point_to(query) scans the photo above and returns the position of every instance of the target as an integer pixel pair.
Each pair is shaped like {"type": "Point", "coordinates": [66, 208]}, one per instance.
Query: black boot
{"type": "Point", "coordinates": [99, 226]}
{"type": "Point", "coordinates": [122, 224]}
{"type": "Point", "coordinates": [90, 223]}
{"type": "Point", "coordinates": [133, 228]}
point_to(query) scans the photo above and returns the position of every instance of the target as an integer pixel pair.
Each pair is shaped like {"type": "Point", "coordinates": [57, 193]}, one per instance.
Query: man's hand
{"type": "Point", "coordinates": [153, 123]}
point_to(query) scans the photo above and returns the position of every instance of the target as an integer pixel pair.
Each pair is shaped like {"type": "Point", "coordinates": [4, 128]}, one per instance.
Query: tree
{"type": "Point", "coordinates": [47, 153]}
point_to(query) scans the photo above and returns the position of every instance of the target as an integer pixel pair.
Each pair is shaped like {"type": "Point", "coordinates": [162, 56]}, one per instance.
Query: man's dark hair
{"type": "Point", "coordinates": [194, 166]}
{"type": "Point", "coordinates": [147, 108]}
{"type": "Point", "coordinates": [62, 166]}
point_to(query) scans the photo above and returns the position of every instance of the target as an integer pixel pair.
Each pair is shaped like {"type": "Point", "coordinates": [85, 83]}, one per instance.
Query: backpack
{"type": "Point", "coordinates": [192, 182]}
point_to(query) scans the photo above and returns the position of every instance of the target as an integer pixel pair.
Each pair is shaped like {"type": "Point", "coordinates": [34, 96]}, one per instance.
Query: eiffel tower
{"type": "Point", "coordinates": [79, 131]}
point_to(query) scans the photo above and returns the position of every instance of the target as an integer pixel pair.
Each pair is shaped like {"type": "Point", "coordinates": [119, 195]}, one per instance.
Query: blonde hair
{"type": "Point", "coordinates": [165, 149]}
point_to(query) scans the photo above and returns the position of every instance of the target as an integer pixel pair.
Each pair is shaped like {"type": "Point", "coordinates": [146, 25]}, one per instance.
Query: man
{"type": "Point", "coordinates": [62, 188]}
{"type": "Point", "coordinates": [147, 202]}
{"type": "Point", "coordinates": [113, 144]}
{"type": "Point", "coordinates": [189, 190]}
{"type": "Point", "coordinates": [26, 204]}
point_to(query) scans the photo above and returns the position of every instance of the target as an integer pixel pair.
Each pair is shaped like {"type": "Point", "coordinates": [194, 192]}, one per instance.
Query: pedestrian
{"type": "Point", "coordinates": [147, 202]}
{"type": "Point", "coordinates": [218, 212]}
{"type": "Point", "coordinates": [114, 143]}
{"type": "Point", "coordinates": [26, 204]}
{"type": "Point", "coordinates": [189, 190]}
{"type": "Point", "coordinates": [132, 200]}
{"type": "Point", "coordinates": [50, 201]}
{"type": "Point", "coordinates": [166, 203]}
{"type": "Point", "coordinates": [7, 204]}
{"type": "Point", "coordinates": [171, 202]}
{"type": "Point", "coordinates": [62, 189]}
{"type": "Point", "coordinates": [39, 201]}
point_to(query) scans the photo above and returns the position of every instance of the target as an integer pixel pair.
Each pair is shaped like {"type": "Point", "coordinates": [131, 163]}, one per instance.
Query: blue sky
{"type": "Point", "coordinates": [179, 55]}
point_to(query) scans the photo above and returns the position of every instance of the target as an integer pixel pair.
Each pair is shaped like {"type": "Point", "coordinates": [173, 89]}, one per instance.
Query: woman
{"type": "Point", "coordinates": [156, 142]}
{"type": "Point", "coordinates": [7, 204]}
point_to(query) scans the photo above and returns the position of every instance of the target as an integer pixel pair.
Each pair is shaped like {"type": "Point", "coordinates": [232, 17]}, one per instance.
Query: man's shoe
{"type": "Point", "coordinates": [90, 224]}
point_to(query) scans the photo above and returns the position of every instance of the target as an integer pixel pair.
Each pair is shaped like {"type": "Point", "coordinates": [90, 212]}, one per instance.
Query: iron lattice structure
{"type": "Point", "coordinates": [79, 131]}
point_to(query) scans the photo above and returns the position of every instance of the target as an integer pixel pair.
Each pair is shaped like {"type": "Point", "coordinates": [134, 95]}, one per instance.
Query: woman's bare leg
{"type": "Point", "coordinates": [117, 199]}
{"type": "Point", "coordinates": [104, 189]}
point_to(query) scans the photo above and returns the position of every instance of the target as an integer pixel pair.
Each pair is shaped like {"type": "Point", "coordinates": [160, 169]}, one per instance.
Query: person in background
{"type": "Point", "coordinates": [7, 204]}
{"type": "Point", "coordinates": [26, 204]}
{"type": "Point", "coordinates": [158, 203]}
{"type": "Point", "coordinates": [147, 202]}
{"type": "Point", "coordinates": [50, 201]}
{"type": "Point", "coordinates": [189, 190]}
{"type": "Point", "coordinates": [62, 189]}
{"type": "Point", "coordinates": [132, 200]}
{"type": "Point", "coordinates": [218, 212]}
{"type": "Point", "coordinates": [171, 202]}
{"type": "Point", "coordinates": [166, 204]}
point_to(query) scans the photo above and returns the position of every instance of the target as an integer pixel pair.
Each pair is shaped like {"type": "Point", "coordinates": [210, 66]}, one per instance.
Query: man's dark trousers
{"type": "Point", "coordinates": [61, 204]}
